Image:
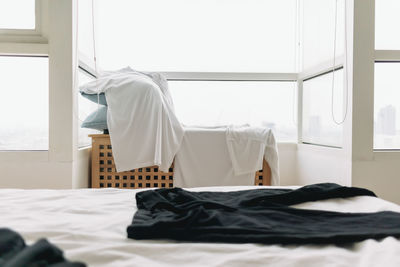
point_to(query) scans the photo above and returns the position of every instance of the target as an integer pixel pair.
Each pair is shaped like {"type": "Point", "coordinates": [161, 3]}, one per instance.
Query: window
{"type": "Point", "coordinates": [387, 20]}
{"type": "Point", "coordinates": [85, 108]}
{"type": "Point", "coordinates": [387, 106]}
{"type": "Point", "coordinates": [260, 103]}
{"type": "Point", "coordinates": [17, 14]}
{"type": "Point", "coordinates": [24, 104]}
{"type": "Point", "coordinates": [319, 31]}
{"type": "Point", "coordinates": [197, 35]}
{"type": "Point", "coordinates": [222, 57]}
{"type": "Point", "coordinates": [318, 124]}
{"type": "Point", "coordinates": [85, 28]}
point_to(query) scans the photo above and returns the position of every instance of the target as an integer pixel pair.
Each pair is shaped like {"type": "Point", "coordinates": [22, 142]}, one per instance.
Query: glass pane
{"type": "Point", "coordinates": [387, 103]}
{"type": "Point", "coordinates": [17, 14]}
{"type": "Point", "coordinates": [208, 103]}
{"type": "Point", "coordinates": [85, 108]}
{"type": "Point", "coordinates": [319, 32]}
{"type": "Point", "coordinates": [387, 20]}
{"type": "Point", "coordinates": [85, 28]}
{"type": "Point", "coordinates": [197, 35]}
{"type": "Point", "coordinates": [24, 105]}
{"type": "Point", "coordinates": [318, 124]}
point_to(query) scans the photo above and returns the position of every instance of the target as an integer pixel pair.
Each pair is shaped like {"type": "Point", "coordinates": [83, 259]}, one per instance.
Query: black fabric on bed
{"type": "Point", "coordinates": [256, 216]}
{"type": "Point", "coordinates": [15, 253]}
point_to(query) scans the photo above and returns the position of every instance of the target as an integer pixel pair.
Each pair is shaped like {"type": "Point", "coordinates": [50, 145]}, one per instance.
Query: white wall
{"type": "Point", "coordinates": [82, 168]}
{"type": "Point", "coordinates": [316, 164]}
{"type": "Point", "coordinates": [35, 175]}
{"type": "Point", "coordinates": [288, 163]}
{"type": "Point", "coordinates": [381, 175]}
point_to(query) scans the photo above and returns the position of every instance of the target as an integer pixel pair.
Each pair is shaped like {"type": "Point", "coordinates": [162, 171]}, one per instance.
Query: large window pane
{"type": "Point", "coordinates": [85, 28]}
{"type": "Point", "coordinates": [24, 106]}
{"type": "Point", "coordinates": [85, 108]}
{"type": "Point", "coordinates": [387, 20]}
{"type": "Point", "coordinates": [318, 124]}
{"type": "Point", "coordinates": [197, 35]}
{"type": "Point", "coordinates": [207, 103]}
{"type": "Point", "coordinates": [319, 31]}
{"type": "Point", "coordinates": [17, 14]}
{"type": "Point", "coordinates": [387, 106]}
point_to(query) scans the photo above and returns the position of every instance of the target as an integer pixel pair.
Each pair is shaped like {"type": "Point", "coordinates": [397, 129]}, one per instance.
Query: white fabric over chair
{"type": "Point", "coordinates": [204, 159]}
{"type": "Point", "coordinates": [144, 130]}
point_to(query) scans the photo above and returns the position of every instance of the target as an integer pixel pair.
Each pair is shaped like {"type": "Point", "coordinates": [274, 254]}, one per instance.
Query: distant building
{"type": "Point", "coordinates": [386, 121]}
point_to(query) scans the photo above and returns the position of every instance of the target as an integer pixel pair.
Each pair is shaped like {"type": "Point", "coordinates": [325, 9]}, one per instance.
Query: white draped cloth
{"type": "Point", "coordinates": [248, 146]}
{"type": "Point", "coordinates": [143, 127]}
{"type": "Point", "coordinates": [209, 156]}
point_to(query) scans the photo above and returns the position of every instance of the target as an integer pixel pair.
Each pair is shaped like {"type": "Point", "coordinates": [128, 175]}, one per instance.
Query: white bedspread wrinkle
{"type": "Point", "coordinates": [248, 146]}
{"type": "Point", "coordinates": [143, 127]}
{"type": "Point", "coordinates": [89, 225]}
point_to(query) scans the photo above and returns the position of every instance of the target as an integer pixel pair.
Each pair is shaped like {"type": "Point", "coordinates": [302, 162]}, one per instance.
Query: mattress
{"type": "Point", "coordinates": [90, 226]}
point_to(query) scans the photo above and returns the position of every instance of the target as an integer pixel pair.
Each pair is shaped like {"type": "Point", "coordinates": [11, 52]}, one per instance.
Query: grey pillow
{"type": "Point", "coordinates": [93, 98]}
{"type": "Point", "coordinates": [97, 119]}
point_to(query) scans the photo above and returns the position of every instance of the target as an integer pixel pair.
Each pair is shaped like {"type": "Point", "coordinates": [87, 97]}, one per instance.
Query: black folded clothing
{"type": "Point", "coordinates": [257, 216]}
{"type": "Point", "coordinates": [15, 253]}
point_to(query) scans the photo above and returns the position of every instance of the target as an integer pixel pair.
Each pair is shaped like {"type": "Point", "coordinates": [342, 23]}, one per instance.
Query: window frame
{"type": "Point", "coordinates": [384, 56]}
{"type": "Point", "coordinates": [308, 74]}
{"type": "Point", "coordinates": [321, 72]}
{"type": "Point", "coordinates": [30, 43]}
{"type": "Point", "coordinates": [30, 33]}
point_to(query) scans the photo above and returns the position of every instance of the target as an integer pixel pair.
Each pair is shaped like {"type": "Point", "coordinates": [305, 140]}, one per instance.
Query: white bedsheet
{"type": "Point", "coordinates": [90, 226]}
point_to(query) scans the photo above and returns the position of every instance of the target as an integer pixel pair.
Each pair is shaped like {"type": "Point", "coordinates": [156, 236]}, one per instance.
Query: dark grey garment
{"type": "Point", "coordinates": [15, 253]}
{"type": "Point", "coordinates": [257, 216]}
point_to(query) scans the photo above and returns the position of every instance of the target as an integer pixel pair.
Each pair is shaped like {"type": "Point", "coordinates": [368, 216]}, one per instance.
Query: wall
{"type": "Point", "coordinates": [287, 161]}
{"type": "Point", "coordinates": [82, 168]}
{"type": "Point", "coordinates": [381, 175]}
{"type": "Point", "coordinates": [316, 164]}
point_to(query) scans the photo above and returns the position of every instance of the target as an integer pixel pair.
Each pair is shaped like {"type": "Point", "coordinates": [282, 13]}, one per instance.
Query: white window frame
{"type": "Point", "coordinates": [26, 35]}
{"type": "Point", "coordinates": [386, 56]}
{"type": "Point", "coordinates": [29, 43]}
{"type": "Point", "coordinates": [309, 74]}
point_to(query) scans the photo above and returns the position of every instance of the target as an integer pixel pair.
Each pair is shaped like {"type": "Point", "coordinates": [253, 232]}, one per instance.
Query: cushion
{"type": "Point", "coordinates": [93, 97]}
{"type": "Point", "coordinates": [96, 120]}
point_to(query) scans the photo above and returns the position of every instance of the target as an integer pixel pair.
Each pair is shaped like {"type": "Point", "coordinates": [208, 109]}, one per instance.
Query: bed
{"type": "Point", "coordinates": [90, 226]}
